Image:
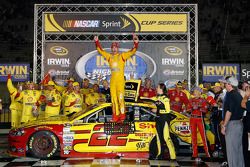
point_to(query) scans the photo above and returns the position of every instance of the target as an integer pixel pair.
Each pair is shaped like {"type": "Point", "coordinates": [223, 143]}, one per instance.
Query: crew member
{"type": "Point", "coordinates": [30, 98]}
{"type": "Point", "coordinates": [116, 62]}
{"type": "Point", "coordinates": [15, 106]}
{"type": "Point", "coordinates": [162, 122]}
{"type": "Point", "coordinates": [177, 98]}
{"type": "Point", "coordinates": [53, 100]}
{"type": "Point", "coordinates": [147, 90]}
{"type": "Point", "coordinates": [95, 97]}
{"type": "Point", "coordinates": [66, 92]}
{"type": "Point", "coordinates": [198, 107]}
{"type": "Point", "coordinates": [74, 100]}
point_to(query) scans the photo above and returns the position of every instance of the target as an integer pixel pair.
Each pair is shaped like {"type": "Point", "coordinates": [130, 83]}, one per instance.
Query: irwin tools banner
{"type": "Point", "coordinates": [158, 60]}
{"type": "Point", "coordinates": [19, 72]}
{"type": "Point", "coordinates": [214, 72]}
{"type": "Point", "coordinates": [116, 22]}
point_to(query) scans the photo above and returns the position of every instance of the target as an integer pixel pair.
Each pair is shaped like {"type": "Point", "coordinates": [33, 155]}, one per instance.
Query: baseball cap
{"type": "Point", "coordinates": [217, 84]}
{"type": "Point", "coordinates": [75, 84]}
{"type": "Point", "coordinates": [71, 79]}
{"type": "Point", "coordinates": [231, 80]}
{"type": "Point", "coordinates": [51, 83]}
{"type": "Point", "coordinates": [179, 84]}
{"type": "Point", "coordinates": [202, 87]}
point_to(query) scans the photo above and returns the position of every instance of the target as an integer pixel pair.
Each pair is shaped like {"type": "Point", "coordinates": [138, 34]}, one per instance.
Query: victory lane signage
{"type": "Point", "coordinates": [132, 22]}
{"type": "Point", "coordinates": [19, 72]}
{"type": "Point", "coordinates": [132, 88]}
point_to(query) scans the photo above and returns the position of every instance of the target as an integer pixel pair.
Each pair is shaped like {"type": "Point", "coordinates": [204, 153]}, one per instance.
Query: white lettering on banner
{"type": "Point", "coordinates": [86, 23]}
{"type": "Point", "coordinates": [173, 61]}
{"type": "Point", "coordinates": [173, 72]}
{"type": "Point", "coordinates": [102, 71]}
{"type": "Point", "coordinates": [245, 73]}
{"type": "Point", "coordinates": [63, 62]}
{"type": "Point", "coordinates": [62, 72]}
{"type": "Point", "coordinates": [111, 24]}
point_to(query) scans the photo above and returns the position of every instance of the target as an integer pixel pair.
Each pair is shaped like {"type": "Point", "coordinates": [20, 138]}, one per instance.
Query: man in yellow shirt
{"type": "Point", "coordinates": [74, 100]}
{"type": "Point", "coordinates": [116, 62]}
{"type": "Point", "coordinates": [95, 97]}
{"type": "Point", "coordinates": [53, 100]}
{"type": "Point", "coordinates": [30, 99]}
{"type": "Point", "coordinates": [15, 106]}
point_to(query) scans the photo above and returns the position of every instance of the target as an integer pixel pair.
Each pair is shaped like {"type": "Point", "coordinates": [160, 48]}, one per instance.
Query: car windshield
{"type": "Point", "coordinates": [75, 115]}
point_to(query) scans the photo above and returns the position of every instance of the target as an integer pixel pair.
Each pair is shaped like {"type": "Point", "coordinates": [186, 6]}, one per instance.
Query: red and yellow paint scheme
{"type": "Point", "coordinates": [86, 134]}
{"type": "Point", "coordinates": [90, 133]}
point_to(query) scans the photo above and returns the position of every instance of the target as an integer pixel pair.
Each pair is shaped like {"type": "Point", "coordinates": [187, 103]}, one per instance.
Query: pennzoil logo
{"type": "Point", "coordinates": [173, 50]}
{"type": "Point", "coordinates": [59, 50]}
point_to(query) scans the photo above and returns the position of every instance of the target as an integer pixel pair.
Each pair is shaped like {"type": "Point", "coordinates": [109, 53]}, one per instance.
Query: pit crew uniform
{"type": "Point", "coordinates": [73, 103]}
{"type": "Point", "coordinates": [147, 92]}
{"type": "Point", "coordinates": [65, 93]}
{"type": "Point", "coordinates": [42, 104]}
{"type": "Point", "coordinates": [15, 106]}
{"type": "Point", "coordinates": [94, 98]}
{"type": "Point", "coordinates": [117, 81]}
{"type": "Point", "coordinates": [198, 106]}
{"type": "Point", "coordinates": [162, 126]}
{"type": "Point", "coordinates": [30, 100]}
{"type": "Point", "coordinates": [177, 99]}
{"type": "Point", "coordinates": [53, 103]}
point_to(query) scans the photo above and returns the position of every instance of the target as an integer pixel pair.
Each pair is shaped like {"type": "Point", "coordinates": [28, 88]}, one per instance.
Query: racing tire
{"type": "Point", "coordinates": [43, 144]}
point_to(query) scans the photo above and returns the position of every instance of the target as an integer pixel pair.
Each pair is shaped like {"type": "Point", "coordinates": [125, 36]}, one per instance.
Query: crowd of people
{"type": "Point", "coordinates": [224, 102]}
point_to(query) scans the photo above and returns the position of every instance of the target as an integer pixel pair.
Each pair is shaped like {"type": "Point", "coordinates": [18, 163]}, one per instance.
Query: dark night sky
{"type": "Point", "coordinates": [223, 29]}
{"type": "Point", "coordinates": [224, 34]}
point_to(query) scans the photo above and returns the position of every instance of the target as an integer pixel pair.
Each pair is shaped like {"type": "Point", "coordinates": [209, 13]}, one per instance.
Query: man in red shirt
{"type": "Point", "coordinates": [177, 98]}
{"type": "Point", "coordinates": [147, 90]}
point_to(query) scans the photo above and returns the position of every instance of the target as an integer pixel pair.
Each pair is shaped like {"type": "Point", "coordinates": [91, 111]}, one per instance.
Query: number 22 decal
{"type": "Point", "coordinates": [102, 139]}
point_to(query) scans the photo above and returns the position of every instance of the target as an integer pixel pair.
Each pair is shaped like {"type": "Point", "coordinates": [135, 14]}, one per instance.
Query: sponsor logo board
{"type": "Point", "coordinates": [19, 72]}
{"type": "Point", "coordinates": [214, 72]}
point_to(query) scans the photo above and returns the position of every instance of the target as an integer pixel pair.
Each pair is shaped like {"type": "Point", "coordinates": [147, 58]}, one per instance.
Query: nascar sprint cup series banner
{"type": "Point", "coordinates": [116, 22]}
{"type": "Point", "coordinates": [161, 61]}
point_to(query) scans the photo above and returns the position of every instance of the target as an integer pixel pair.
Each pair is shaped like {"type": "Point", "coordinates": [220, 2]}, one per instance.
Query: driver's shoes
{"type": "Point", "coordinates": [115, 118]}
{"type": "Point", "coordinates": [122, 117]}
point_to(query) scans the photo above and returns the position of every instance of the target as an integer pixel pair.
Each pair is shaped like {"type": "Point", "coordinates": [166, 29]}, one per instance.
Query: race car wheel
{"type": "Point", "coordinates": [43, 144]}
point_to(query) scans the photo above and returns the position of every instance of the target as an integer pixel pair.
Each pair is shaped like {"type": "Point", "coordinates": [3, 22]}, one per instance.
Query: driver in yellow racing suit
{"type": "Point", "coordinates": [116, 62]}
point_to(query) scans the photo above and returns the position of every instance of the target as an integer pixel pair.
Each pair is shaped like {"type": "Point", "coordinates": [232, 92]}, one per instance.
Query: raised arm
{"type": "Point", "coordinates": [11, 87]}
{"type": "Point", "coordinates": [102, 52]}
{"type": "Point", "coordinates": [131, 52]}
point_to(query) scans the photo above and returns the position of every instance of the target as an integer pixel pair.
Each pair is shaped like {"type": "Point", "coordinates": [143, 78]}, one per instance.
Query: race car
{"type": "Point", "coordinates": [90, 133]}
